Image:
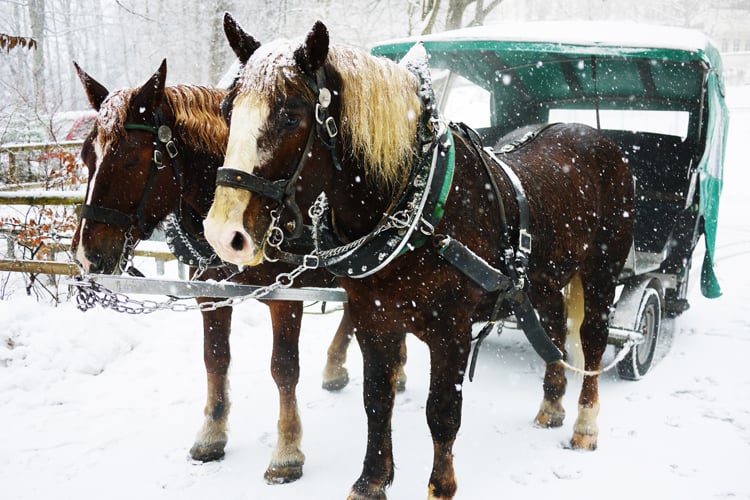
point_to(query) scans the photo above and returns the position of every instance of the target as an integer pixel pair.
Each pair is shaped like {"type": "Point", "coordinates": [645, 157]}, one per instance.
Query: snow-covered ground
{"type": "Point", "coordinates": [101, 405]}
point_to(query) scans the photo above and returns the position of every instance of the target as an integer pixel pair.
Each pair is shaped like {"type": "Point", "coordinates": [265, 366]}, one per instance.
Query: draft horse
{"type": "Point", "coordinates": [154, 151]}
{"type": "Point", "coordinates": [310, 118]}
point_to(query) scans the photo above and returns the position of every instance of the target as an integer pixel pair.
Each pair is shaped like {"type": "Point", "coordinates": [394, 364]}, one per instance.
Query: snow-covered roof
{"type": "Point", "coordinates": [590, 37]}
{"type": "Point", "coordinates": [605, 33]}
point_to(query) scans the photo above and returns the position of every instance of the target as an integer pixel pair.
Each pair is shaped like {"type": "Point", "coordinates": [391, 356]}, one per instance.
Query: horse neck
{"type": "Point", "coordinates": [356, 203]}
{"type": "Point", "coordinates": [196, 164]}
{"type": "Point", "coordinates": [198, 169]}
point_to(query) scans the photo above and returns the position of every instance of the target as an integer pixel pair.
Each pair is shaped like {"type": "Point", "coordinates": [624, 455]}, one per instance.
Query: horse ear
{"type": "Point", "coordinates": [240, 40]}
{"type": "Point", "coordinates": [95, 91]}
{"type": "Point", "coordinates": [312, 54]}
{"type": "Point", "coordinates": [150, 94]}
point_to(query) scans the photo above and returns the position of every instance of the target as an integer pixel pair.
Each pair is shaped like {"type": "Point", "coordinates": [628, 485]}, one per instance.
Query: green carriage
{"type": "Point", "coordinates": [656, 91]}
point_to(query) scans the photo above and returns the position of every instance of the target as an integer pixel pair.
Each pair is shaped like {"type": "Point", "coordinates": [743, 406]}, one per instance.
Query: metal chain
{"type": "Point", "coordinates": [91, 294]}
{"type": "Point", "coordinates": [127, 254]}
{"type": "Point", "coordinates": [398, 220]}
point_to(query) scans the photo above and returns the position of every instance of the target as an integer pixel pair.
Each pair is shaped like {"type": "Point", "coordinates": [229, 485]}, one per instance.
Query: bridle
{"type": "Point", "coordinates": [282, 191]}
{"type": "Point", "coordinates": [162, 136]}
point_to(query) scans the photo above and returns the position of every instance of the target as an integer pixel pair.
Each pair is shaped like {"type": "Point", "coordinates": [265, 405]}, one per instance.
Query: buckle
{"type": "Point", "coordinates": [321, 116]}
{"type": "Point", "coordinates": [331, 127]}
{"type": "Point", "coordinates": [310, 261]}
{"type": "Point", "coordinates": [524, 241]}
{"type": "Point", "coordinates": [158, 159]}
{"type": "Point", "coordinates": [171, 148]}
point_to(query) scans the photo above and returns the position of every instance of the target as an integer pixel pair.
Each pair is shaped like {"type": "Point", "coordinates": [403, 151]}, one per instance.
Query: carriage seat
{"type": "Point", "coordinates": [661, 166]}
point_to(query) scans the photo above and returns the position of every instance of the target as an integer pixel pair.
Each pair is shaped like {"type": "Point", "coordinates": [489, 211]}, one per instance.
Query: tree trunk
{"type": "Point", "coordinates": [36, 18]}
{"type": "Point", "coordinates": [218, 49]}
{"type": "Point", "coordinates": [430, 10]}
{"type": "Point", "coordinates": [456, 9]}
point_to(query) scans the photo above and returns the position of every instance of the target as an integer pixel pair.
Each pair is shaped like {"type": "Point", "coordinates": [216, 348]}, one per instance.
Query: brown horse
{"type": "Point", "coordinates": [308, 117]}
{"type": "Point", "coordinates": [155, 151]}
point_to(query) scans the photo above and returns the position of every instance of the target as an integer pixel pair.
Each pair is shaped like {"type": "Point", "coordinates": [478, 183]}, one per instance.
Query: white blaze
{"type": "Point", "coordinates": [225, 218]}
{"type": "Point", "coordinates": [249, 114]}
{"type": "Point", "coordinates": [80, 251]}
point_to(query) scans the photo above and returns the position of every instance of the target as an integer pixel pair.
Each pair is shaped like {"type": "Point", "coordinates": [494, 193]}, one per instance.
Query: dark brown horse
{"type": "Point", "coordinates": [155, 151]}
{"type": "Point", "coordinates": [309, 117]}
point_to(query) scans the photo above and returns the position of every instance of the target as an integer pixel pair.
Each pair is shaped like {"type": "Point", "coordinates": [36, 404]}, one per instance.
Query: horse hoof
{"type": "Point", "coordinates": [337, 382]}
{"type": "Point", "coordinates": [283, 474]}
{"type": "Point", "coordinates": [356, 495]}
{"type": "Point", "coordinates": [548, 420]}
{"type": "Point", "coordinates": [208, 453]}
{"type": "Point", "coordinates": [581, 441]}
{"type": "Point", "coordinates": [550, 415]}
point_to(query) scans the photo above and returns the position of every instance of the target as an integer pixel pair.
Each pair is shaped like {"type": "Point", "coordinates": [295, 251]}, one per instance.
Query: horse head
{"type": "Point", "coordinates": [302, 121]}
{"type": "Point", "coordinates": [130, 156]}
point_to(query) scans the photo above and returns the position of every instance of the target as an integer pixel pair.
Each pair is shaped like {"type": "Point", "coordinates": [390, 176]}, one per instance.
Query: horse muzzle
{"type": "Point", "coordinates": [225, 231]}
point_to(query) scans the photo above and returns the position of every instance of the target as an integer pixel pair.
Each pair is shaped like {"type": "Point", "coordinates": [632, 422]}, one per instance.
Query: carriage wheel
{"type": "Point", "coordinates": [648, 322]}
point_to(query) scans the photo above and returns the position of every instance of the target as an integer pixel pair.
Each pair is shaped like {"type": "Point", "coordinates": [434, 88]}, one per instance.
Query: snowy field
{"type": "Point", "coordinates": [100, 405]}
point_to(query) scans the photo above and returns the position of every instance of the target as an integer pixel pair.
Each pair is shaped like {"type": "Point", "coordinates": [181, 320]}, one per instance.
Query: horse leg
{"type": "Point", "coordinates": [287, 458]}
{"type": "Point", "coordinates": [212, 437]}
{"type": "Point", "coordinates": [594, 333]}
{"type": "Point", "coordinates": [335, 375]}
{"type": "Point", "coordinates": [380, 359]}
{"type": "Point", "coordinates": [448, 359]}
{"type": "Point", "coordinates": [401, 374]}
{"type": "Point", "coordinates": [550, 307]}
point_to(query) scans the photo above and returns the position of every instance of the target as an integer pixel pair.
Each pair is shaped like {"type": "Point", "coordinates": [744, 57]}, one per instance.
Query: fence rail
{"type": "Point", "coordinates": [39, 267]}
{"type": "Point", "coordinates": [29, 197]}
{"type": "Point", "coordinates": [28, 153]}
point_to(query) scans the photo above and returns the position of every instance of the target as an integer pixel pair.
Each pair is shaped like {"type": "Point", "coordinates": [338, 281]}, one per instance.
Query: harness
{"type": "Point", "coordinates": [162, 135]}
{"type": "Point", "coordinates": [410, 221]}
{"type": "Point", "coordinates": [185, 246]}
{"type": "Point", "coordinates": [282, 190]}
{"type": "Point", "coordinates": [511, 287]}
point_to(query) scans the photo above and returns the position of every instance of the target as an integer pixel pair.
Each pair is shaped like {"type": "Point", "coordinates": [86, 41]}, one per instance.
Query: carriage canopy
{"type": "Point", "coordinates": [615, 76]}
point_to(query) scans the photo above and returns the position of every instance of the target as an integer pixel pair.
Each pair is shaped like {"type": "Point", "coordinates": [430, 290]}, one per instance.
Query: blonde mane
{"type": "Point", "coordinates": [196, 110]}
{"type": "Point", "coordinates": [380, 109]}
{"type": "Point", "coordinates": [379, 103]}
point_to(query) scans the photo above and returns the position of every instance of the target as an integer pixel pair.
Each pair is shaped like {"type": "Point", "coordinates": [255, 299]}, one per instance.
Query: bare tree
{"type": "Point", "coordinates": [37, 20]}
{"type": "Point", "coordinates": [218, 60]}
{"type": "Point", "coordinates": [454, 17]}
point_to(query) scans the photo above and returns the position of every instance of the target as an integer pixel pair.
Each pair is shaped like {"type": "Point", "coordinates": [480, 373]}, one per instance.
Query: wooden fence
{"type": "Point", "coordinates": [35, 198]}
{"type": "Point", "coordinates": [34, 152]}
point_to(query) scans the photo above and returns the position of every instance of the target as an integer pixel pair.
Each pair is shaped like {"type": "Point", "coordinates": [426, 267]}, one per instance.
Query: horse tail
{"type": "Point", "coordinates": [574, 309]}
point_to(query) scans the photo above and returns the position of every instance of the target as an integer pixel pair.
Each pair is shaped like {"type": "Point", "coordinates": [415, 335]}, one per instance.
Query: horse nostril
{"type": "Point", "coordinates": [238, 242]}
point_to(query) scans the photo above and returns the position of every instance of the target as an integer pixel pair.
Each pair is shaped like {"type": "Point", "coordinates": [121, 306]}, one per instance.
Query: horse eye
{"type": "Point", "coordinates": [290, 121]}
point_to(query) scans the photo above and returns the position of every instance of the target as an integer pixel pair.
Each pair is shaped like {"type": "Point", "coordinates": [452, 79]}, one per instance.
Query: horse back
{"type": "Point", "coordinates": [580, 194]}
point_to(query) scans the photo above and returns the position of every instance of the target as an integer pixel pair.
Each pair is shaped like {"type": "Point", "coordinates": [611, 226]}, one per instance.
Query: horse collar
{"type": "Point", "coordinates": [411, 220]}
{"type": "Point", "coordinates": [189, 249]}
